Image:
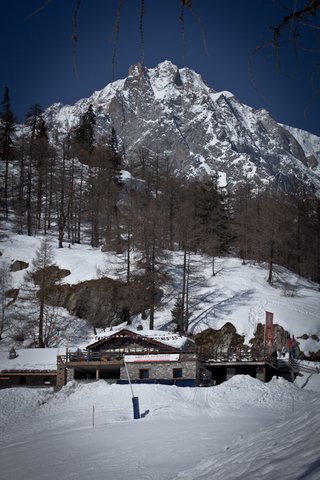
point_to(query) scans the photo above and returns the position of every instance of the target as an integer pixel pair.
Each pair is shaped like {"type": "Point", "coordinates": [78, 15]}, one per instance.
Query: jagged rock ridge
{"type": "Point", "coordinates": [172, 112]}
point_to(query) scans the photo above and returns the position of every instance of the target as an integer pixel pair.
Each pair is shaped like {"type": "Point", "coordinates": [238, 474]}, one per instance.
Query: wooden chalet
{"type": "Point", "coordinates": [144, 356]}
{"type": "Point", "coordinates": [167, 359]}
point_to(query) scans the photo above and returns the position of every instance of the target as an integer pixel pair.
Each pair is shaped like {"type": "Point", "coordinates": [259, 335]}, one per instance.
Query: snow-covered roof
{"type": "Point", "coordinates": [31, 359]}
{"type": "Point", "coordinates": [168, 338]}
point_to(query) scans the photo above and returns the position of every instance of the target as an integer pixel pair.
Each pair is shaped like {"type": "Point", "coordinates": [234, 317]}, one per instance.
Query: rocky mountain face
{"type": "Point", "coordinates": [172, 114]}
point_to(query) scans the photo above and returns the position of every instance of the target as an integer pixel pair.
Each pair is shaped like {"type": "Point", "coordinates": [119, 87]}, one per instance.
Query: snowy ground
{"type": "Point", "coordinates": [237, 293]}
{"type": "Point", "coordinates": [242, 429]}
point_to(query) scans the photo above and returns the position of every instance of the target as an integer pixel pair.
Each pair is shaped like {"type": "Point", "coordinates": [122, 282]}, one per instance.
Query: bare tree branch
{"type": "Point", "coordinates": [75, 36]}
{"type": "Point", "coordinates": [309, 10]}
{"type": "Point", "coordinates": [115, 37]}
{"type": "Point", "coordinates": [142, 11]}
{"type": "Point", "coordinates": [39, 9]}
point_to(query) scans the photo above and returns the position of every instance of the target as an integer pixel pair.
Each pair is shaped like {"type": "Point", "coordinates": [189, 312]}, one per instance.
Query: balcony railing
{"type": "Point", "coordinates": [237, 355]}
{"type": "Point", "coordinates": [84, 356]}
{"type": "Point", "coordinates": [111, 355]}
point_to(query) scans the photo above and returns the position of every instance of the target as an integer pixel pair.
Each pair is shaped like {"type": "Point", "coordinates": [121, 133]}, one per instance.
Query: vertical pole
{"type": "Point", "coordinates": [135, 400]}
{"type": "Point", "coordinates": [92, 416]}
{"type": "Point", "coordinates": [136, 410]}
{"type": "Point", "coordinates": [264, 339]}
{"type": "Point", "coordinates": [125, 365]}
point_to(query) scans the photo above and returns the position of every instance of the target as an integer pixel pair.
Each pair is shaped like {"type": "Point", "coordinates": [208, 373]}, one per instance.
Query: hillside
{"type": "Point", "coordinates": [237, 293]}
{"type": "Point", "coordinates": [166, 180]}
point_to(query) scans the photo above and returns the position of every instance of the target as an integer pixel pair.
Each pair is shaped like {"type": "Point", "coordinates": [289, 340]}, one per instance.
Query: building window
{"type": "Point", "coordinates": [143, 373]}
{"type": "Point", "coordinates": [177, 372]}
{"type": "Point", "coordinates": [22, 380]}
{"type": "Point", "coordinates": [46, 380]}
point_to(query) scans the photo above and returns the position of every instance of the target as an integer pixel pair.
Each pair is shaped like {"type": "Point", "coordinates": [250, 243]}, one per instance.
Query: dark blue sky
{"type": "Point", "coordinates": [37, 51]}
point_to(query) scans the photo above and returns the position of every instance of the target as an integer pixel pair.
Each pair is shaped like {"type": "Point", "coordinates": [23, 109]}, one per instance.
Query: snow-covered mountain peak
{"type": "Point", "coordinates": [104, 96]}
{"type": "Point", "coordinates": [200, 131]}
{"type": "Point", "coordinates": [164, 70]}
{"type": "Point", "coordinates": [167, 80]}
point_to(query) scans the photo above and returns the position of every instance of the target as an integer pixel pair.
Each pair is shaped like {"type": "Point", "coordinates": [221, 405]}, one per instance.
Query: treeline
{"type": "Point", "coordinates": [71, 184]}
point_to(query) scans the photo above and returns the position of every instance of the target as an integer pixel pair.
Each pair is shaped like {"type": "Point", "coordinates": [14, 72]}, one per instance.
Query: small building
{"type": "Point", "coordinates": [148, 356]}
{"type": "Point", "coordinates": [29, 367]}
{"type": "Point", "coordinates": [258, 364]}
{"type": "Point", "coordinates": [144, 356]}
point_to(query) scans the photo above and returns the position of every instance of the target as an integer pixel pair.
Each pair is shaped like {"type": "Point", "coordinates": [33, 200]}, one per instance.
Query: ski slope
{"type": "Point", "coordinates": [242, 429]}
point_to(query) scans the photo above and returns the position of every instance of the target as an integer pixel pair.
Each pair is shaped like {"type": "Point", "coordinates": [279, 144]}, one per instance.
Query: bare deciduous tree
{"type": "Point", "coordinates": [5, 285]}
{"type": "Point", "coordinates": [32, 306]}
{"type": "Point", "coordinates": [7, 129]}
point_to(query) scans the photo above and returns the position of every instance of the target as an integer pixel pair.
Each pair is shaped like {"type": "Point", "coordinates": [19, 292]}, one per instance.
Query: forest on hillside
{"type": "Point", "coordinates": [76, 186]}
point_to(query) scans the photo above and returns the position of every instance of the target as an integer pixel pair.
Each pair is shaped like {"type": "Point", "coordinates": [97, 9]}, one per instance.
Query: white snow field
{"type": "Point", "coordinates": [241, 429]}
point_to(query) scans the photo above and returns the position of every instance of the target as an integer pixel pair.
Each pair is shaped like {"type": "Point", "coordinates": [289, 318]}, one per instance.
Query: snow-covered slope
{"type": "Point", "coordinates": [237, 293]}
{"type": "Point", "coordinates": [171, 113]}
{"type": "Point", "coordinates": [310, 144]}
{"type": "Point", "coordinates": [242, 429]}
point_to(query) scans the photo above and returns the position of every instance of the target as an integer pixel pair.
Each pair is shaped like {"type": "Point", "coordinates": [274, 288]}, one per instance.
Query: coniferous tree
{"type": "Point", "coordinates": [104, 188]}
{"type": "Point", "coordinates": [178, 316]}
{"type": "Point", "coordinates": [85, 133]}
{"type": "Point", "coordinates": [212, 219]}
{"type": "Point", "coordinates": [84, 148]}
{"type": "Point", "coordinates": [6, 143]}
{"type": "Point", "coordinates": [113, 185]}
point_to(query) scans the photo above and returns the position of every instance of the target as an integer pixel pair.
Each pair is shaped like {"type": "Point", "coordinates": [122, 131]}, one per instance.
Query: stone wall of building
{"type": "Point", "coordinates": [184, 369]}
{"type": "Point", "coordinates": [61, 373]}
{"type": "Point", "coordinates": [70, 374]}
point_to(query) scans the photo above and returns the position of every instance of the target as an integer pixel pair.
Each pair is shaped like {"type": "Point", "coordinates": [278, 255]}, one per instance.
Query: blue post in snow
{"type": "Point", "coordinates": [136, 410]}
